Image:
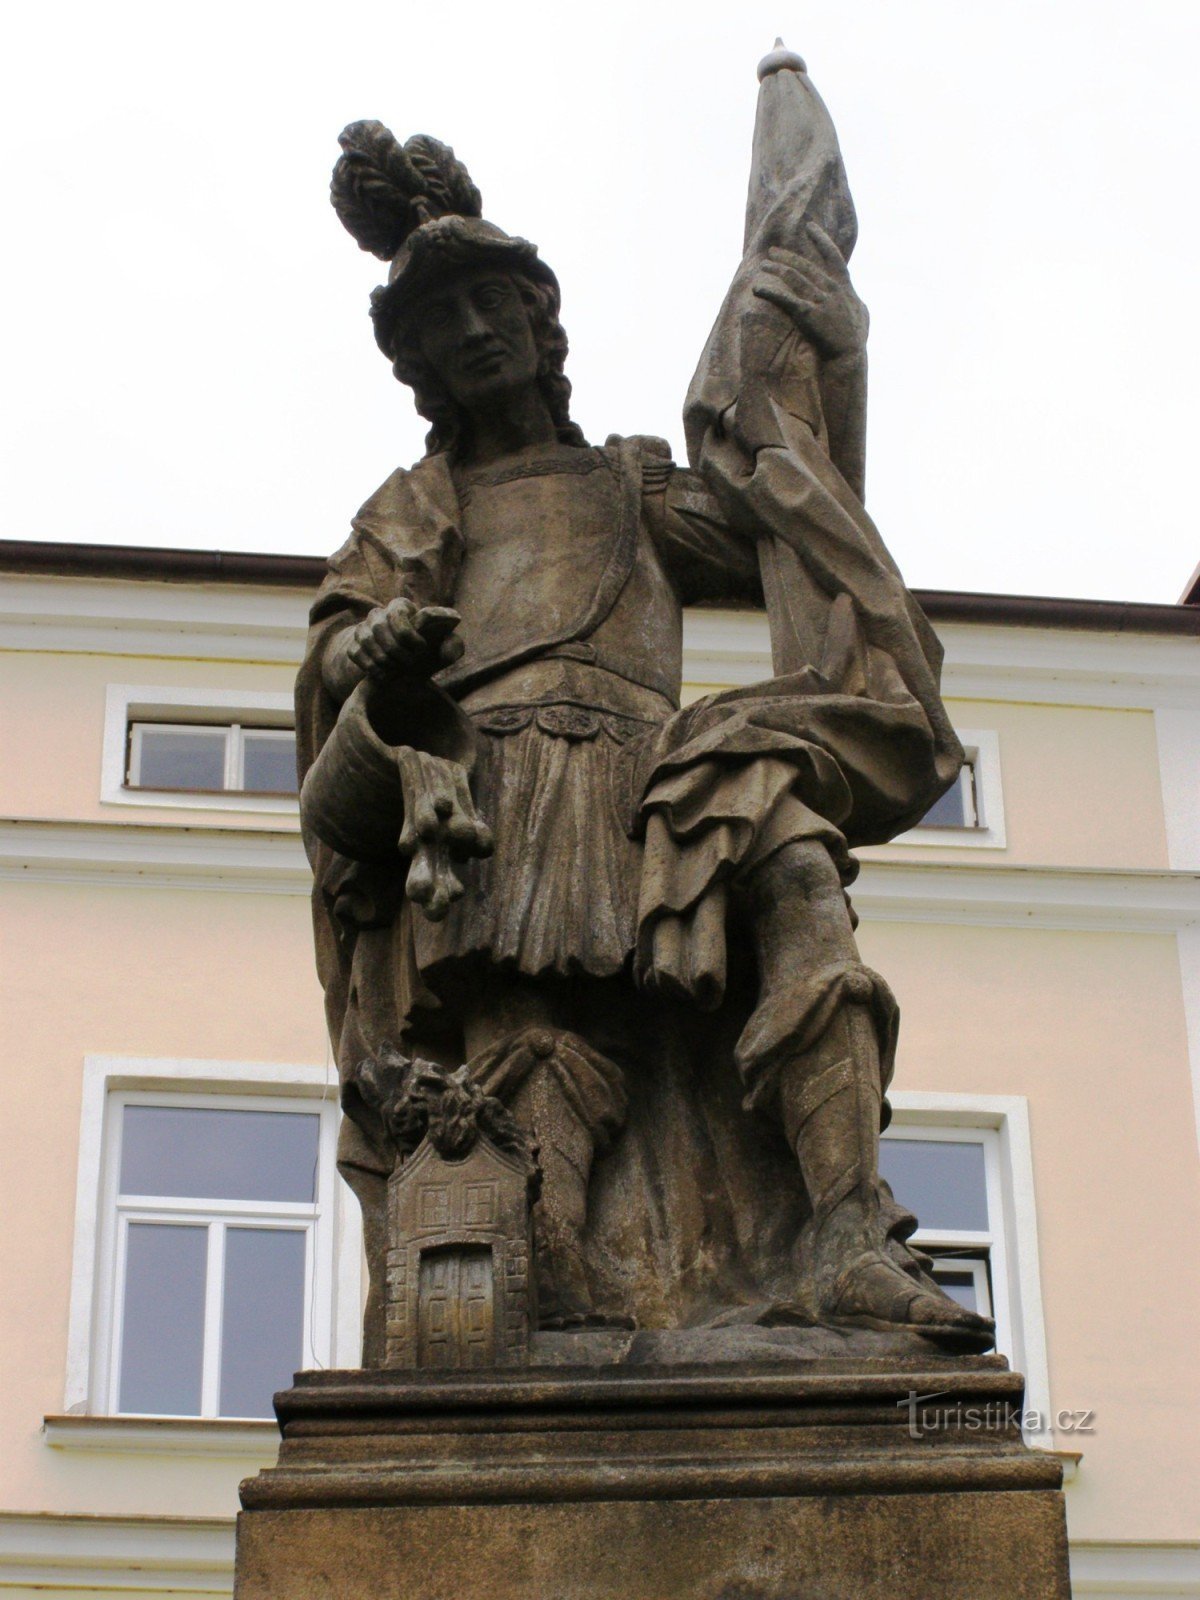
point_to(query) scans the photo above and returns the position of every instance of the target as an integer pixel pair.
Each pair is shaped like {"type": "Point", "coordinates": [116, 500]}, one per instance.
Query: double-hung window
{"type": "Point", "coordinates": [216, 1257]}
{"type": "Point", "coordinates": [949, 1178]}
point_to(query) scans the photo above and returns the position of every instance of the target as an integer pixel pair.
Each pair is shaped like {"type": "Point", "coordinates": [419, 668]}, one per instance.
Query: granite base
{"type": "Point", "coordinates": [817, 1480]}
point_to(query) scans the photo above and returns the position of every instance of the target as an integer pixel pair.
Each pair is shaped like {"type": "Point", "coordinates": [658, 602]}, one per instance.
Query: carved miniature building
{"type": "Point", "coordinates": [458, 1281]}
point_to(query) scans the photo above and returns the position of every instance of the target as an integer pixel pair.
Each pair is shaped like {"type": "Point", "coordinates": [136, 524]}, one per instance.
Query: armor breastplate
{"type": "Point", "coordinates": [538, 539]}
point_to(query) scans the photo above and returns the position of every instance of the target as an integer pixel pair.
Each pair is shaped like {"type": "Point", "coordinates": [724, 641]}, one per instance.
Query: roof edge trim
{"type": "Point", "coordinates": [151, 564]}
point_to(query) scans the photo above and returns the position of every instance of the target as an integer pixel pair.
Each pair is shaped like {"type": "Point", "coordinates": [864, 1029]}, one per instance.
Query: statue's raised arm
{"type": "Point", "coordinates": [776, 424]}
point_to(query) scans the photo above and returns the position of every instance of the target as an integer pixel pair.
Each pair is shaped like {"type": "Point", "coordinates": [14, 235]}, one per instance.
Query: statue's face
{"type": "Point", "coordinates": [475, 334]}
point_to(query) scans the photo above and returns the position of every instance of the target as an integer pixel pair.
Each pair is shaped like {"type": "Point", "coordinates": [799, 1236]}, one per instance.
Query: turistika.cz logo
{"type": "Point", "coordinates": [925, 1416]}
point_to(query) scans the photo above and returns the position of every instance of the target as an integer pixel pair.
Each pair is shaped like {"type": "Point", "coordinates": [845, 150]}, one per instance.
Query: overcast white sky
{"type": "Point", "coordinates": [187, 354]}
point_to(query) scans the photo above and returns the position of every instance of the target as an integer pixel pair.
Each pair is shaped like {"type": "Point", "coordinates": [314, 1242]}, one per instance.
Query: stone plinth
{"type": "Point", "coordinates": [815, 1480]}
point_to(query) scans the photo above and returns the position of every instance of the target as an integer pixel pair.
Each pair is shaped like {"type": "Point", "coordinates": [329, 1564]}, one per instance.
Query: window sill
{"type": "Point", "coordinates": [166, 1436]}
{"type": "Point", "coordinates": [202, 800]}
{"type": "Point", "coordinates": [954, 838]}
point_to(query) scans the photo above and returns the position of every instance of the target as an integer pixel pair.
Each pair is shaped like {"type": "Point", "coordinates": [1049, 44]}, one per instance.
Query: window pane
{"type": "Point", "coordinates": [942, 1181]}
{"type": "Point", "coordinates": [949, 811]}
{"type": "Point", "coordinates": [162, 1335]}
{"type": "Point", "coordinates": [176, 759]}
{"type": "Point", "coordinates": [270, 763]}
{"type": "Point", "coordinates": [960, 1287]}
{"type": "Point", "coordinates": [219, 1155]}
{"type": "Point", "coordinates": [262, 1335]}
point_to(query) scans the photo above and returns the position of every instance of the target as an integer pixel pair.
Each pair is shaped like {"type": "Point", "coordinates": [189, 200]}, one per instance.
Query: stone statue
{"type": "Point", "coordinates": [626, 922]}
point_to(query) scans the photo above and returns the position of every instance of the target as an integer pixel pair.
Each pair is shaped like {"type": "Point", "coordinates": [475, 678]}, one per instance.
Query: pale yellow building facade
{"type": "Point", "coordinates": [1045, 953]}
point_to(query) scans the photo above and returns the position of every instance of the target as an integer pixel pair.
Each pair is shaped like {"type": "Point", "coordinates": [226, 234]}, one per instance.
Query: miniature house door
{"type": "Point", "coordinates": [456, 1316]}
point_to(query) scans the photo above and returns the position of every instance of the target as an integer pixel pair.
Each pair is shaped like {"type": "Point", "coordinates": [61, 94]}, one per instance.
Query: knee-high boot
{"type": "Point", "coordinates": [830, 1102]}
{"type": "Point", "coordinates": [819, 1049]}
{"type": "Point", "coordinates": [857, 1271]}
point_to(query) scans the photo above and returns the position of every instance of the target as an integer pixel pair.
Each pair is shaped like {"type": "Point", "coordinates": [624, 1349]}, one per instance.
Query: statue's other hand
{"type": "Point", "coordinates": [400, 639]}
{"type": "Point", "coordinates": [816, 292]}
{"type": "Point", "coordinates": [441, 827]}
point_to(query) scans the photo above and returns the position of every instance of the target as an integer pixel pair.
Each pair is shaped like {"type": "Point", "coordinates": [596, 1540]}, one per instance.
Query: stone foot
{"type": "Point", "coordinates": [874, 1291]}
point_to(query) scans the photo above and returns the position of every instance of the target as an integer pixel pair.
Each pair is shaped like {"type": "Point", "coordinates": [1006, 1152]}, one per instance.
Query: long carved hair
{"type": "Point", "coordinates": [449, 423]}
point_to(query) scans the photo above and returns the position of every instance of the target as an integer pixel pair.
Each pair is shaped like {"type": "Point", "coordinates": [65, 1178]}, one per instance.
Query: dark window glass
{"type": "Point", "coordinates": [162, 1331]}
{"type": "Point", "coordinates": [946, 812]}
{"type": "Point", "coordinates": [193, 1153]}
{"type": "Point", "coordinates": [942, 1181]}
{"type": "Point", "coordinates": [951, 811]}
{"type": "Point", "coordinates": [270, 763]}
{"type": "Point", "coordinates": [176, 759]}
{"type": "Point", "coordinates": [959, 1286]}
{"type": "Point", "coordinates": [262, 1332]}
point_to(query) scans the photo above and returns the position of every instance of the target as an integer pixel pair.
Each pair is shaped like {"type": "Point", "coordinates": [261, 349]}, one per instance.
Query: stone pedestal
{"type": "Point", "coordinates": [825, 1479]}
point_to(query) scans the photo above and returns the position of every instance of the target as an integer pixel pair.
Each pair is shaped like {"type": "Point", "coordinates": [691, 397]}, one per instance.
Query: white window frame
{"type": "Point", "coordinates": [333, 1293]}
{"type": "Point", "coordinates": [995, 1302]}
{"type": "Point", "coordinates": [977, 1269]}
{"type": "Point", "coordinates": [1001, 1124]}
{"type": "Point", "coordinates": [233, 757]}
{"type": "Point", "coordinates": [982, 749]}
{"type": "Point", "coordinates": [129, 703]}
{"type": "Point", "coordinates": [119, 1212]}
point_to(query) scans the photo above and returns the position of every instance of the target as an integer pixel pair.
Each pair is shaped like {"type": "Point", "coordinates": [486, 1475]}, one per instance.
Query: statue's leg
{"type": "Point", "coordinates": [818, 1048]}
{"type": "Point", "coordinates": [566, 1149]}
{"type": "Point", "coordinates": [571, 1101]}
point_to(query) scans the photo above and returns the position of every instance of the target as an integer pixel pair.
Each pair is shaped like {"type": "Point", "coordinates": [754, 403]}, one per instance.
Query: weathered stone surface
{"type": "Point", "coordinates": [724, 1483]}
{"type": "Point", "coordinates": [624, 919]}
{"type": "Point", "coordinates": [864, 1547]}
{"type": "Point", "coordinates": [458, 1266]}
{"type": "Point", "coordinates": [706, 1347]}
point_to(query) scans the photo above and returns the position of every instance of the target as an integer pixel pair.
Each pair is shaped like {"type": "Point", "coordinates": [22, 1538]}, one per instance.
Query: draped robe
{"type": "Point", "coordinates": [645, 815]}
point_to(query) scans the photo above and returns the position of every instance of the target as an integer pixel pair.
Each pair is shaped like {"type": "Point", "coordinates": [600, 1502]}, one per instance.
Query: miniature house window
{"type": "Point", "coordinates": [217, 1253]}
{"type": "Point", "coordinates": [211, 757]}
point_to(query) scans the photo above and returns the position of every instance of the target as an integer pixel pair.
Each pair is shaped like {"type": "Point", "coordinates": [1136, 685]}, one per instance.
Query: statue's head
{"type": "Point", "coordinates": [469, 313]}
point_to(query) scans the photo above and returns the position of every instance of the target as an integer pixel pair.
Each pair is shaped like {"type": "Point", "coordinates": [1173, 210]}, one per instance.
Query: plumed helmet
{"type": "Point", "coordinates": [415, 206]}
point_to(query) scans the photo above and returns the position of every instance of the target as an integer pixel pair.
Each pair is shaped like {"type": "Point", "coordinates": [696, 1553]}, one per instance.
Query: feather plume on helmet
{"type": "Point", "coordinates": [414, 205]}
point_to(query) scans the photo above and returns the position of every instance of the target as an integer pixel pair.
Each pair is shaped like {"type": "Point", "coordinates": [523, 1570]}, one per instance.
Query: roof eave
{"type": "Point", "coordinates": [150, 564]}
